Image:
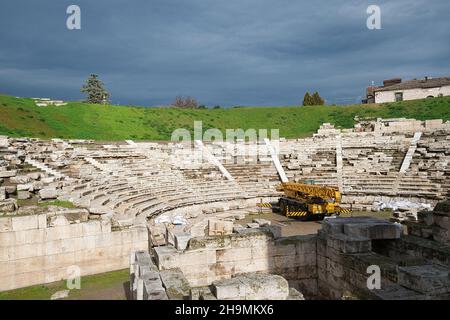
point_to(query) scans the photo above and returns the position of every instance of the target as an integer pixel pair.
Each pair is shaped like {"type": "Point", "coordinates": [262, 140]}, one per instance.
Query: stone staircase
{"type": "Point", "coordinates": [45, 168]}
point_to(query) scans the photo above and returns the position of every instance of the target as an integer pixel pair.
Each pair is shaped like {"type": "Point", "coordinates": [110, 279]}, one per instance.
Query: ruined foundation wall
{"type": "Point", "coordinates": [209, 259]}
{"type": "Point", "coordinates": [33, 253]}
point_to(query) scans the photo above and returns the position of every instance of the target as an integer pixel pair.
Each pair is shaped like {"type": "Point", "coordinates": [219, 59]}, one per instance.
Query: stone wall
{"type": "Point", "coordinates": [149, 283]}
{"type": "Point", "coordinates": [33, 252]}
{"type": "Point", "coordinates": [411, 94]}
{"type": "Point", "coordinates": [350, 249]}
{"type": "Point", "coordinates": [337, 263]}
{"type": "Point", "coordinates": [208, 259]}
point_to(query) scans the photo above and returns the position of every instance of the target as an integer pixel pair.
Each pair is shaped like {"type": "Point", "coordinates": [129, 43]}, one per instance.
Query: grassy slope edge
{"type": "Point", "coordinates": [20, 117]}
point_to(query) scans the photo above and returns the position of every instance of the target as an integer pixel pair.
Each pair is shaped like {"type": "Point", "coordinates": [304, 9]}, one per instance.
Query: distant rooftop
{"type": "Point", "coordinates": [417, 84]}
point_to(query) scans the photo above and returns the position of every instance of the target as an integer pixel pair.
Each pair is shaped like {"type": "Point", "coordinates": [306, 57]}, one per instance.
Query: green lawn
{"type": "Point", "coordinates": [102, 286]}
{"type": "Point", "coordinates": [58, 203]}
{"type": "Point", "coordinates": [20, 117]}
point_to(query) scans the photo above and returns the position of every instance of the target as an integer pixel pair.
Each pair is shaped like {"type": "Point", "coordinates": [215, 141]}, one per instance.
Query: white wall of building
{"type": "Point", "coordinates": [411, 94]}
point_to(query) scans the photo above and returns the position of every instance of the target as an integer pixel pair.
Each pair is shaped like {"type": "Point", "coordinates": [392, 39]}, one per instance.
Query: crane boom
{"type": "Point", "coordinates": [302, 191]}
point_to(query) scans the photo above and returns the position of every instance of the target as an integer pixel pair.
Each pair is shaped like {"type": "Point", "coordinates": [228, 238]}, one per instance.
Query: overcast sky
{"type": "Point", "coordinates": [228, 52]}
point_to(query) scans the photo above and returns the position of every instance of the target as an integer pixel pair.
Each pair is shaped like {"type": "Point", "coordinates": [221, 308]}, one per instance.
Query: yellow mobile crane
{"type": "Point", "coordinates": [308, 202]}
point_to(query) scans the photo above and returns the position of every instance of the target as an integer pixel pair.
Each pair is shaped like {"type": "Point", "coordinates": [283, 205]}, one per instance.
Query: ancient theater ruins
{"type": "Point", "coordinates": [198, 230]}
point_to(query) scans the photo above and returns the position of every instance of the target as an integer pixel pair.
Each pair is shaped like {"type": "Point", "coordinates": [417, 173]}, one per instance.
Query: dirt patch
{"type": "Point", "coordinates": [289, 226]}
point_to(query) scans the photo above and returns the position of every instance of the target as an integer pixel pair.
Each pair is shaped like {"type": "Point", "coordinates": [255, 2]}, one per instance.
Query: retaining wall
{"type": "Point", "coordinates": [214, 258]}
{"type": "Point", "coordinates": [31, 252]}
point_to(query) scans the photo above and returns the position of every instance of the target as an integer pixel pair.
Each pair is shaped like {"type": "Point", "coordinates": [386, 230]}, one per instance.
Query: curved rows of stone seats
{"type": "Point", "coordinates": [146, 179]}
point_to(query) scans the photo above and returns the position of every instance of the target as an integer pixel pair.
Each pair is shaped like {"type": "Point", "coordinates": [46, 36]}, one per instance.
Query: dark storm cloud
{"type": "Point", "coordinates": [235, 52]}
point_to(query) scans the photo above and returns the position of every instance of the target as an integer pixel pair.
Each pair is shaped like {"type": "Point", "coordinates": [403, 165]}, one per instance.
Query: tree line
{"type": "Point", "coordinates": [97, 94]}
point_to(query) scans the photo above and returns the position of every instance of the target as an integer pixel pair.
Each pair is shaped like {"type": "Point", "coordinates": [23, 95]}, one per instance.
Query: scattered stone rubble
{"type": "Point", "coordinates": [334, 264]}
{"type": "Point", "coordinates": [148, 283]}
{"type": "Point", "coordinates": [45, 102]}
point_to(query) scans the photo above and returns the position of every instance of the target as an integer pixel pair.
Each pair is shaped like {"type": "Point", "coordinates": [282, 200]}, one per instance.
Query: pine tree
{"type": "Point", "coordinates": [307, 99]}
{"type": "Point", "coordinates": [96, 92]}
{"type": "Point", "coordinates": [317, 99]}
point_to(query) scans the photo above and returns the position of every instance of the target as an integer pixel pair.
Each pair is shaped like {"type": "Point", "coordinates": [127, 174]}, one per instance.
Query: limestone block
{"type": "Point", "coordinates": [91, 227]}
{"type": "Point", "coordinates": [280, 262]}
{"type": "Point", "coordinates": [21, 280]}
{"type": "Point", "coordinates": [2, 193]}
{"type": "Point", "coordinates": [262, 222]}
{"type": "Point", "coordinates": [221, 270]}
{"type": "Point", "coordinates": [7, 238]}
{"type": "Point", "coordinates": [239, 216]}
{"type": "Point", "coordinates": [274, 230]}
{"type": "Point", "coordinates": [81, 215]}
{"type": "Point", "coordinates": [140, 233]}
{"type": "Point", "coordinates": [214, 242]}
{"type": "Point", "coordinates": [182, 240]}
{"type": "Point", "coordinates": [294, 294]}
{"type": "Point", "coordinates": [374, 231]}
{"type": "Point", "coordinates": [335, 268]}
{"type": "Point", "coordinates": [252, 225]}
{"type": "Point", "coordinates": [27, 236]}
{"type": "Point", "coordinates": [48, 193]}
{"type": "Point", "coordinates": [233, 254]}
{"type": "Point", "coordinates": [62, 294]}
{"type": "Point", "coordinates": [307, 286]}
{"type": "Point", "coordinates": [281, 248]}
{"type": "Point", "coordinates": [25, 187]}
{"type": "Point", "coordinates": [105, 225]}
{"type": "Point", "coordinates": [8, 206]}
{"type": "Point", "coordinates": [201, 293]}
{"type": "Point", "coordinates": [29, 250]}
{"type": "Point", "coordinates": [64, 232]}
{"type": "Point", "coordinates": [13, 267]}
{"type": "Point", "coordinates": [307, 259]}
{"type": "Point", "coordinates": [58, 220]}
{"type": "Point", "coordinates": [8, 174]}
{"type": "Point", "coordinates": [107, 239]}
{"type": "Point", "coordinates": [441, 235]}
{"type": "Point", "coordinates": [425, 217]}
{"type": "Point", "coordinates": [153, 290]}
{"type": "Point", "coordinates": [175, 283]}
{"type": "Point", "coordinates": [443, 207]}
{"type": "Point", "coordinates": [347, 244]}
{"type": "Point", "coordinates": [60, 260]}
{"type": "Point", "coordinates": [219, 227]}
{"type": "Point", "coordinates": [38, 185]}
{"type": "Point", "coordinates": [442, 221]}
{"type": "Point", "coordinates": [200, 277]}
{"type": "Point", "coordinates": [229, 289]}
{"type": "Point", "coordinates": [262, 252]}
{"type": "Point", "coordinates": [252, 286]}
{"type": "Point", "coordinates": [23, 195]}
{"type": "Point", "coordinates": [20, 179]}
{"type": "Point", "coordinates": [11, 189]}
{"type": "Point", "coordinates": [306, 244]}
{"type": "Point", "coordinates": [431, 279]}
{"type": "Point", "coordinates": [142, 257]}
{"type": "Point", "coordinates": [287, 273]}
{"type": "Point", "coordinates": [5, 224]}
{"type": "Point", "coordinates": [166, 257]}
{"type": "Point", "coordinates": [20, 223]}
{"type": "Point", "coordinates": [34, 175]}
{"type": "Point", "coordinates": [252, 238]}
{"type": "Point", "coordinates": [307, 272]}
{"type": "Point", "coordinates": [170, 233]}
{"type": "Point", "coordinates": [237, 228]}
{"type": "Point", "coordinates": [198, 257]}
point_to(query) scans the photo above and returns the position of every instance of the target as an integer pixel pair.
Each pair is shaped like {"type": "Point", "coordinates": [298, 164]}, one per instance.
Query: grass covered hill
{"type": "Point", "coordinates": [21, 117]}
